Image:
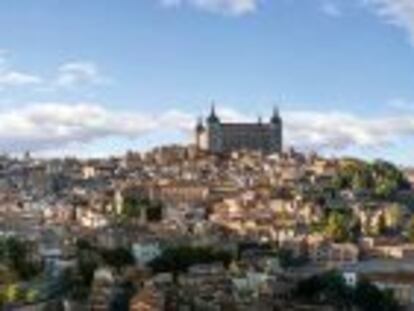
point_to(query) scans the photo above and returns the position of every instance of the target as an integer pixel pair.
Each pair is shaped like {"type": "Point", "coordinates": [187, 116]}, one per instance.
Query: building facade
{"type": "Point", "coordinates": [218, 137]}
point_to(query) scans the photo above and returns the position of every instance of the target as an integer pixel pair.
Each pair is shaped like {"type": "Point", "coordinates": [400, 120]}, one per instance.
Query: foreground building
{"type": "Point", "coordinates": [219, 137]}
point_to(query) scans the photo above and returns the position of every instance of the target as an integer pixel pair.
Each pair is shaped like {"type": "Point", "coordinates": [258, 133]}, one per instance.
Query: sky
{"type": "Point", "coordinates": [99, 77]}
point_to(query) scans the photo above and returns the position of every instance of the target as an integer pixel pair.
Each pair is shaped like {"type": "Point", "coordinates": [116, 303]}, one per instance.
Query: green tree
{"type": "Point", "coordinates": [32, 295]}
{"type": "Point", "coordinates": [388, 179]}
{"type": "Point", "coordinates": [179, 259]}
{"type": "Point", "coordinates": [154, 211]}
{"type": "Point", "coordinates": [330, 288]}
{"type": "Point", "coordinates": [135, 209]}
{"type": "Point", "coordinates": [355, 230]}
{"type": "Point", "coordinates": [381, 226]}
{"type": "Point", "coordinates": [15, 254]}
{"type": "Point", "coordinates": [369, 298]}
{"type": "Point", "coordinates": [287, 259]}
{"type": "Point", "coordinates": [87, 262]}
{"type": "Point", "coordinates": [410, 230]}
{"type": "Point", "coordinates": [394, 216]}
{"type": "Point", "coordinates": [13, 293]}
{"type": "Point", "coordinates": [384, 189]}
{"type": "Point", "coordinates": [132, 208]}
{"type": "Point", "coordinates": [362, 179]}
{"type": "Point", "coordinates": [118, 258]}
{"type": "Point", "coordinates": [380, 179]}
{"type": "Point", "coordinates": [337, 227]}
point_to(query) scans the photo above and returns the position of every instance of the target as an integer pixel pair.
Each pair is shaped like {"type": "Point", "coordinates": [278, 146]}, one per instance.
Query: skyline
{"type": "Point", "coordinates": [102, 78]}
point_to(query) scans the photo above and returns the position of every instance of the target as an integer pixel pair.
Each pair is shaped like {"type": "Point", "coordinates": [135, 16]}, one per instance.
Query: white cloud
{"type": "Point", "coordinates": [77, 73]}
{"type": "Point", "coordinates": [57, 124]}
{"type": "Point", "coordinates": [335, 130]}
{"type": "Point", "coordinates": [330, 9]}
{"type": "Point", "coordinates": [11, 77]}
{"type": "Point", "coordinates": [42, 127]}
{"type": "Point", "coordinates": [230, 7]}
{"type": "Point", "coordinates": [71, 74]}
{"type": "Point", "coordinates": [176, 119]}
{"type": "Point", "coordinates": [17, 78]}
{"type": "Point", "coordinates": [397, 12]}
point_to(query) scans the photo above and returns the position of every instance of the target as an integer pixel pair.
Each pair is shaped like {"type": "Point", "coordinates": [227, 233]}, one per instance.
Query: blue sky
{"type": "Point", "coordinates": [102, 76]}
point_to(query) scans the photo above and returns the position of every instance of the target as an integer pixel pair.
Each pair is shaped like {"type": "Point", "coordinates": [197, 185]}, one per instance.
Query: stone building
{"type": "Point", "coordinates": [219, 137]}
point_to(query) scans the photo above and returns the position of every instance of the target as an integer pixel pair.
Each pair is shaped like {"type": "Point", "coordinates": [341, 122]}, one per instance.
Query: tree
{"type": "Point", "coordinates": [14, 293]}
{"type": "Point", "coordinates": [355, 230]}
{"type": "Point", "coordinates": [336, 291]}
{"type": "Point", "coordinates": [337, 227]}
{"type": "Point", "coordinates": [381, 225]}
{"type": "Point", "coordinates": [384, 189]}
{"type": "Point", "coordinates": [327, 288]}
{"type": "Point", "coordinates": [380, 179]}
{"type": "Point", "coordinates": [287, 259]}
{"type": "Point", "coordinates": [118, 258]}
{"type": "Point", "coordinates": [331, 288]}
{"type": "Point", "coordinates": [410, 230]}
{"type": "Point", "coordinates": [142, 208]}
{"type": "Point", "coordinates": [369, 298]}
{"type": "Point", "coordinates": [179, 259]}
{"type": "Point", "coordinates": [132, 208]}
{"type": "Point", "coordinates": [87, 262]}
{"type": "Point", "coordinates": [388, 179]}
{"type": "Point", "coordinates": [77, 282]}
{"type": "Point", "coordinates": [15, 254]}
{"type": "Point", "coordinates": [154, 211]}
{"type": "Point", "coordinates": [394, 216]}
{"type": "Point", "coordinates": [31, 295]}
{"type": "Point", "coordinates": [362, 179]}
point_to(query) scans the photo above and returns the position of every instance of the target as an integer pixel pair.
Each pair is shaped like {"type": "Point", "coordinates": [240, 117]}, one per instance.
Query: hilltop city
{"type": "Point", "coordinates": [237, 220]}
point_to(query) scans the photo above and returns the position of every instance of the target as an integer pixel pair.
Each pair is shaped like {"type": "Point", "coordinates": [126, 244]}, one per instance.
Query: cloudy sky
{"type": "Point", "coordinates": [99, 77]}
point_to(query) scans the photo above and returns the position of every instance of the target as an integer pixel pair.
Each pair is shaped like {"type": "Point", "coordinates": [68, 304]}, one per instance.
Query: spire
{"type": "Point", "coordinates": [213, 117]}
{"type": "Point", "coordinates": [200, 125]}
{"type": "Point", "coordinates": [276, 115]}
{"type": "Point", "coordinates": [213, 108]}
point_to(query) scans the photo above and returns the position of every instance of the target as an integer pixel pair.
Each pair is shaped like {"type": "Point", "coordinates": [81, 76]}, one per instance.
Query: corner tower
{"type": "Point", "coordinates": [276, 126]}
{"type": "Point", "coordinates": [200, 132]}
{"type": "Point", "coordinates": [214, 132]}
